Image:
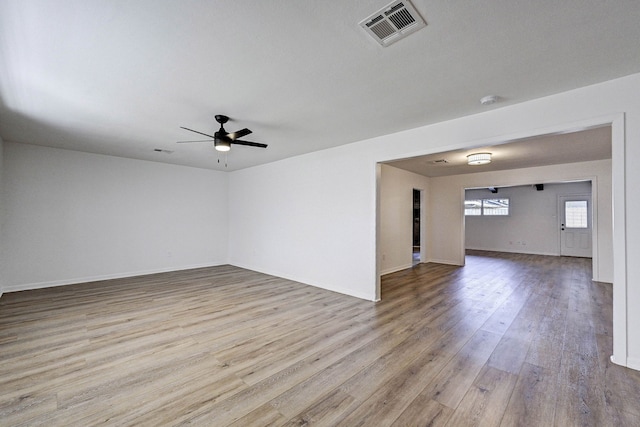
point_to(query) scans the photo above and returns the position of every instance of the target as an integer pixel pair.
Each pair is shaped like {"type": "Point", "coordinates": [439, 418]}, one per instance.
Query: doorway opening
{"type": "Point", "coordinates": [554, 218]}
{"type": "Point", "coordinates": [450, 247]}
{"type": "Point", "coordinates": [416, 234]}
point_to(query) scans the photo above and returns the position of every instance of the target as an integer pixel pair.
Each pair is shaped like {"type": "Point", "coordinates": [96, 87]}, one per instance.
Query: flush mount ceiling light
{"type": "Point", "coordinates": [479, 158]}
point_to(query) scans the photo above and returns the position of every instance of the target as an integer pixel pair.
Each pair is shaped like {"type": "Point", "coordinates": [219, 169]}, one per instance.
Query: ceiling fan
{"type": "Point", "coordinates": [222, 139]}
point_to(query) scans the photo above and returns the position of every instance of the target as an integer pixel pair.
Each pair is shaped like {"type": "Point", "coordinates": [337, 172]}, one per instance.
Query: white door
{"type": "Point", "coordinates": [575, 226]}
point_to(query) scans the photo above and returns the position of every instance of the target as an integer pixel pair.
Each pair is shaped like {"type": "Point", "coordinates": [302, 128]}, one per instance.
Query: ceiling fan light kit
{"type": "Point", "coordinates": [222, 145]}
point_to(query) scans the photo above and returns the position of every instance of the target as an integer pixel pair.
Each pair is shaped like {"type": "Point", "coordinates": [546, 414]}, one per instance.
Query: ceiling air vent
{"type": "Point", "coordinates": [393, 22]}
{"type": "Point", "coordinates": [160, 150]}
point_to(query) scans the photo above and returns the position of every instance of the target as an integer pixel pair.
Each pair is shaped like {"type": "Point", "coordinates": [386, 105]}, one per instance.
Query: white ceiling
{"type": "Point", "coordinates": [120, 77]}
{"type": "Point", "coordinates": [583, 146]}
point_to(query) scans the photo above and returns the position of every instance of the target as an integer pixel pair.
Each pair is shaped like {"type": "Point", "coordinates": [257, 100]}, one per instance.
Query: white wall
{"type": "Point", "coordinates": [532, 226]}
{"type": "Point", "coordinates": [396, 217]}
{"type": "Point", "coordinates": [2, 208]}
{"type": "Point", "coordinates": [309, 218]}
{"type": "Point", "coordinates": [314, 216]}
{"type": "Point", "coordinates": [73, 217]}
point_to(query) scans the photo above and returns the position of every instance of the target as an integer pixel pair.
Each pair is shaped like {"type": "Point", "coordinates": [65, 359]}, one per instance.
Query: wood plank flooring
{"type": "Point", "coordinates": [506, 340]}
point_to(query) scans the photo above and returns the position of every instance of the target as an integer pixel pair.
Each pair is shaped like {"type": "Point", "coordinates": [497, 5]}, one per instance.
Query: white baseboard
{"type": "Point", "coordinates": [617, 360]}
{"type": "Point", "coordinates": [395, 269]}
{"type": "Point", "coordinates": [53, 283]}
{"type": "Point", "coordinates": [633, 363]}
{"type": "Point", "coordinates": [75, 281]}
{"type": "Point", "coordinates": [512, 251]}
{"type": "Point", "coordinates": [305, 281]}
{"type": "Point", "coordinates": [445, 261]}
{"type": "Point", "coordinates": [348, 292]}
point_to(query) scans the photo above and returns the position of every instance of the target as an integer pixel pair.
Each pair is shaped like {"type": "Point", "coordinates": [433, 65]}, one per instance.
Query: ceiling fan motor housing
{"type": "Point", "coordinates": [221, 118]}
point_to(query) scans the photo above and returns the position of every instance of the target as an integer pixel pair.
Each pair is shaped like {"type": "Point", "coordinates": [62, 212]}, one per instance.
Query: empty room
{"type": "Point", "coordinates": [329, 213]}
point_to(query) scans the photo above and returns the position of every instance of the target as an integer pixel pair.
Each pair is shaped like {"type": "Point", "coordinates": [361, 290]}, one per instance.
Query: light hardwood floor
{"type": "Point", "coordinates": [507, 340]}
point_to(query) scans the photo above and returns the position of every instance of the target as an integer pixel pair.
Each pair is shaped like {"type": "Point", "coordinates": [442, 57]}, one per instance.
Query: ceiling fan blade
{"type": "Point", "coordinates": [250, 144]}
{"type": "Point", "coordinates": [199, 140]}
{"type": "Point", "coordinates": [201, 133]}
{"type": "Point", "coordinates": [239, 134]}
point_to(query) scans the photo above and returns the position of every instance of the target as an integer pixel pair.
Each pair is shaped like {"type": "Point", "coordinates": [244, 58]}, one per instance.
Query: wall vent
{"type": "Point", "coordinates": [393, 22]}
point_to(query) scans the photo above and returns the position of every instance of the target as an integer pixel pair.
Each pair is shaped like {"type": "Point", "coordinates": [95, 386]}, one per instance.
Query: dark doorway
{"type": "Point", "coordinates": [416, 226]}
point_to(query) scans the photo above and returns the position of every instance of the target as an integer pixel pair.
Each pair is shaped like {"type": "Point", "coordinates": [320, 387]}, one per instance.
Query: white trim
{"type": "Point", "coordinates": [396, 269]}
{"type": "Point", "coordinates": [513, 251]}
{"type": "Point", "coordinates": [463, 239]}
{"type": "Point", "coordinates": [304, 281]}
{"type": "Point", "coordinates": [78, 280]}
{"type": "Point", "coordinates": [446, 262]}
{"type": "Point", "coordinates": [595, 248]}
{"type": "Point", "coordinates": [620, 303]}
{"type": "Point", "coordinates": [632, 362]}
{"type": "Point", "coordinates": [377, 230]}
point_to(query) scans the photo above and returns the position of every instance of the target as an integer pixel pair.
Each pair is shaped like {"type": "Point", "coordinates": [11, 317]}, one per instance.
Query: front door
{"type": "Point", "coordinates": [575, 226]}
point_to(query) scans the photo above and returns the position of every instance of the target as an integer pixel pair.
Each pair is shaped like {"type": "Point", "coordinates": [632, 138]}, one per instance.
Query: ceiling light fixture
{"type": "Point", "coordinates": [479, 158]}
{"type": "Point", "coordinates": [489, 99]}
{"type": "Point", "coordinates": [222, 145]}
